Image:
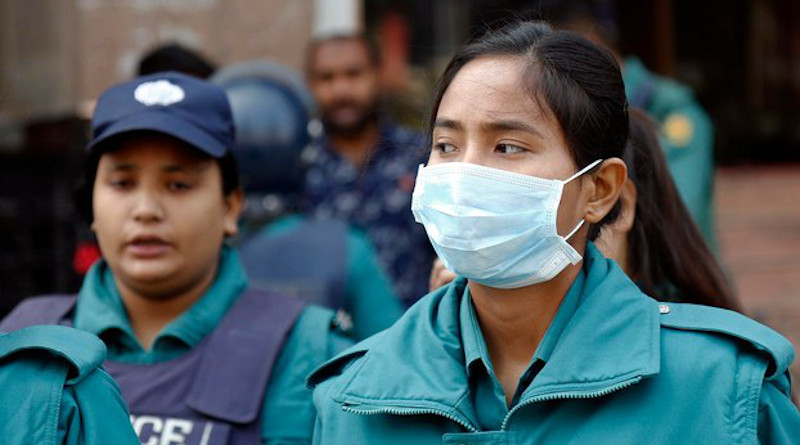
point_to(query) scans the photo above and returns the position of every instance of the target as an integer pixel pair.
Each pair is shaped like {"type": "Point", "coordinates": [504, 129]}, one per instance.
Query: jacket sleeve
{"type": "Point", "coordinates": [93, 413]}
{"type": "Point", "coordinates": [288, 415]}
{"type": "Point", "coordinates": [778, 417]}
{"type": "Point", "coordinates": [372, 302]}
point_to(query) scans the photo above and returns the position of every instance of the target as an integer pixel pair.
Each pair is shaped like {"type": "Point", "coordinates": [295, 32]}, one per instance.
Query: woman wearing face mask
{"type": "Point", "coordinates": [544, 340]}
{"type": "Point", "coordinates": [654, 239]}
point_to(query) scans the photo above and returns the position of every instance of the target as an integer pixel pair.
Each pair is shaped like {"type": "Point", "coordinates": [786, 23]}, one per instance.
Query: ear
{"type": "Point", "coordinates": [233, 208]}
{"type": "Point", "coordinates": [608, 184]}
{"type": "Point", "coordinates": [627, 200]}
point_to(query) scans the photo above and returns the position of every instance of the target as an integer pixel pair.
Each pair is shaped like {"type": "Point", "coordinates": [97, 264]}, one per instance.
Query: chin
{"type": "Point", "coordinates": [149, 275]}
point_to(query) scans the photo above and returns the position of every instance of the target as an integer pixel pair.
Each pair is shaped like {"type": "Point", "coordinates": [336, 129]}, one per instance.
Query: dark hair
{"type": "Point", "coordinates": [85, 185]}
{"type": "Point", "coordinates": [668, 256]}
{"type": "Point", "coordinates": [567, 75]}
{"type": "Point", "coordinates": [373, 52]}
{"type": "Point", "coordinates": [174, 57]}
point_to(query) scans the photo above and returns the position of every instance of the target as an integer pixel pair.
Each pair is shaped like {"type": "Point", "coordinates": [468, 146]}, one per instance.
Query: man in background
{"type": "Point", "coordinates": [366, 165]}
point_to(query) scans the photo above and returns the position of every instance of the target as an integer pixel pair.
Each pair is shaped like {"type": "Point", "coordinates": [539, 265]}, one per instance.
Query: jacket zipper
{"type": "Point", "coordinates": [468, 426]}
{"type": "Point", "coordinates": [410, 412]}
{"type": "Point", "coordinates": [567, 396]}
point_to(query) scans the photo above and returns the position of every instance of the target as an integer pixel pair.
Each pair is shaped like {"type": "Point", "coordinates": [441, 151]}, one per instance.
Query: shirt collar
{"type": "Point", "coordinates": [100, 308]}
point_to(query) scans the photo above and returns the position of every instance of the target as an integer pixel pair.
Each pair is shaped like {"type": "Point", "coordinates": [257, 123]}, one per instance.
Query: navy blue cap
{"type": "Point", "coordinates": [192, 110]}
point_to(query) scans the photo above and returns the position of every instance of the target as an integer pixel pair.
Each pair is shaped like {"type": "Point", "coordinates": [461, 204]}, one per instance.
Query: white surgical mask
{"type": "Point", "coordinates": [494, 227]}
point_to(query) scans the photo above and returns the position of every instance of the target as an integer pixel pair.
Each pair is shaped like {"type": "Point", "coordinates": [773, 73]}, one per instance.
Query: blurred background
{"type": "Point", "coordinates": [741, 58]}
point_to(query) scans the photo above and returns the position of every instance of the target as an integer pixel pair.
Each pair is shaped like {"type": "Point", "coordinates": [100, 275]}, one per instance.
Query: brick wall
{"type": "Point", "coordinates": [56, 55]}
{"type": "Point", "coordinates": [758, 220]}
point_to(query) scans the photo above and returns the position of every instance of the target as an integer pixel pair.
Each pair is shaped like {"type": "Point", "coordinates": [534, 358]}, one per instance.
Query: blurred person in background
{"type": "Point", "coordinates": [654, 239]}
{"type": "Point", "coordinates": [53, 390]}
{"type": "Point", "coordinates": [365, 168]}
{"type": "Point", "coordinates": [200, 356]}
{"type": "Point", "coordinates": [176, 57]}
{"type": "Point", "coordinates": [324, 262]}
{"type": "Point", "coordinates": [685, 130]}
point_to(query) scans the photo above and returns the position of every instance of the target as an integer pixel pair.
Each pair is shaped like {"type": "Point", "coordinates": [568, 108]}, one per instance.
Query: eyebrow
{"type": "Point", "coordinates": [449, 124]}
{"type": "Point", "coordinates": [512, 125]}
{"type": "Point", "coordinates": [182, 168]}
{"type": "Point", "coordinates": [500, 125]}
{"type": "Point", "coordinates": [172, 168]}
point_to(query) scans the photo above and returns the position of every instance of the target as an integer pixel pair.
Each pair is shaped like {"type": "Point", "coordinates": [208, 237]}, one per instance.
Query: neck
{"type": "Point", "coordinates": [149, 314]}
{"type": "Point", "coordinates": [356, 147]}
{"type": "Point", "coordinates": [514, 322]}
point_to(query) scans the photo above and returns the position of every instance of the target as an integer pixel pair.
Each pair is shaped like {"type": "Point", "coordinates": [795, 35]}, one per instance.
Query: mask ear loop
{"type": "Point", "coordinates": [575, 230]}
{"type": "Point", "coordinates": [584, 170]}
{"type": "Point", "coordinates": [572, 178]}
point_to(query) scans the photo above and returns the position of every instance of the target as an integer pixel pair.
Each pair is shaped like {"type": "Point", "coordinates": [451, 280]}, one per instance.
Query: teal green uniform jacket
{"type": "Point", "coordinates": [686, 134]}
{"type": "Point", "coordinates": [369, 298]}
{"type": "Point", "coordinates": [288, 413]}
{"type": "Point", "coordinates": [53, 392]}
{"type": "Point", "coordinates": [615, 367]}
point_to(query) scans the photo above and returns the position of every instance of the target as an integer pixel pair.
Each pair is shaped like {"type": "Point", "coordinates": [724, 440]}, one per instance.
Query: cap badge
{"type": "Point", "coordinates": [159, 92]}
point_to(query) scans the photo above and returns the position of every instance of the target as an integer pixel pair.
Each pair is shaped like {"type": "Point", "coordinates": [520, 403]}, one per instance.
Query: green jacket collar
{"type": "Point", "coordinates": [100, 308]}
{"type": "Point", "coordinates": [611, 340]}
{"type": "Point", "coordinates": [475, 346]}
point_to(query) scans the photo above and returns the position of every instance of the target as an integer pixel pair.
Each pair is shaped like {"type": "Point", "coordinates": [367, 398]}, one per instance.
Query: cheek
{"type": "Point", "coordinates": [199, 219]}
{"type": "Point", "coordinates": [366, 88]}
{"type": "Point", "coordinates": [435, 158]}
{"type": "Point", "coordinates": [321, 90]}
{"type": "Point", "coordinates": [569, 209]}
{"type": "Point", "coordinates": [107, 214]}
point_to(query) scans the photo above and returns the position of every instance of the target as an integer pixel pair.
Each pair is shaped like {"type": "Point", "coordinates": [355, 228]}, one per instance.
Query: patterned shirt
{"type": "Point", "coordinates": [377, 200]}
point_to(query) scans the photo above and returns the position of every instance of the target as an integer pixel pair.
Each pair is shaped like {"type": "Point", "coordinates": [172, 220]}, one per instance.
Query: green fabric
{"type": "Point", "coordinates": [691, 162]}
{"type": "Point", "coordinates": [488, 397]}
{"type": "Point", "coordinates": [54, 391]}
{"type": "Point", "coordinates": [288, 413]}
{"type": "Point", "coordinates": [624, 370]}
{"type": "Point", "coordinates": [368, 295]}
{"type": "Point", "coordinates": [100, 310]}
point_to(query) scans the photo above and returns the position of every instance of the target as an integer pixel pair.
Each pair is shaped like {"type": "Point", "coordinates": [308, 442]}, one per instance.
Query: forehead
{"type": "Point", "coordinates": [489, 88]}
{"type": "Point", "coordinates": [147, 148]}
{"type": "Point", "coordinates": [339, 53]}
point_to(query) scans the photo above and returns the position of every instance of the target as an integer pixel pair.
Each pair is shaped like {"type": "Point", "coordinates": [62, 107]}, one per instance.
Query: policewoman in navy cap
{"type": "Point", "coordinates": [200, 357]}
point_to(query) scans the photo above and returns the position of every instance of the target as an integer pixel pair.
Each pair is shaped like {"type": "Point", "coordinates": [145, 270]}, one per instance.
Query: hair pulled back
{"type": "Point", "coordinates": [668, 256]}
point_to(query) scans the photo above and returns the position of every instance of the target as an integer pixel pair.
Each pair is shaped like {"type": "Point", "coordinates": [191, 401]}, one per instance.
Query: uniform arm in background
{"type": "Point", "coordinates": [370, 297]}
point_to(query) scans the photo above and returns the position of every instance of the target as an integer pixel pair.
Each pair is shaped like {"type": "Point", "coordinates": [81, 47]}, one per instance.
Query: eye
{"type": "Point", "coordinates": [121, 183]}
{"type": "Point", "coordinates": [444, 148]}
{"type": "Point", "coordinates": [177, 186]}
{"type": "Point", "coordinates": [508, 149]}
